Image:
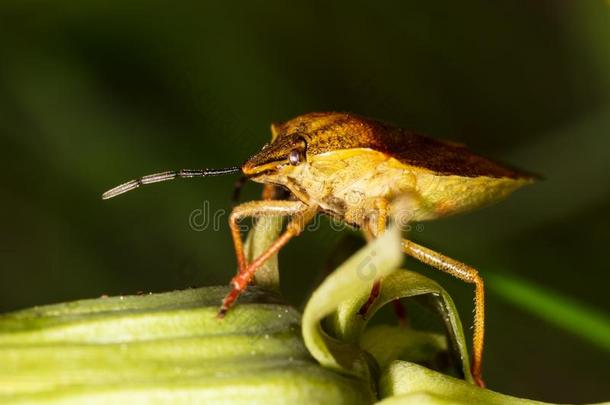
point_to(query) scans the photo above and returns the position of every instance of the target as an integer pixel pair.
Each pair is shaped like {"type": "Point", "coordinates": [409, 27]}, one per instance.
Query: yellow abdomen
{"type": "Point", "coordinates": [446, 195]}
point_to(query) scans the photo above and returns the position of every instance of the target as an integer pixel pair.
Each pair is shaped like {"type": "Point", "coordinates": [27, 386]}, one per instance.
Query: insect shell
{"type": "Point", "coordinates": [343, 163]}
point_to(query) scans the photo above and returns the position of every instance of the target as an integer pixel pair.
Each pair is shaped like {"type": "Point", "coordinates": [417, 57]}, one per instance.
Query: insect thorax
{"type": "Point", "coordinates": [346, 183]}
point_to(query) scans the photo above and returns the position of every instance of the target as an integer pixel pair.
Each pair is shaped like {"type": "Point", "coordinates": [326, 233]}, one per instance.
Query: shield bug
{"type": "Point", "coordinates": [353, 168]}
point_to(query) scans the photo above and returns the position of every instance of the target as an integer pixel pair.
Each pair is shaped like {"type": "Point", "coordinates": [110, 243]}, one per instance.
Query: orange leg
{"type": "Point", "coordinates": [268, 192]}
{"type": "Point", "coordinates": [257, 209]}
{"type": "Point", "coordinates": [455, 268]}
{"type": "Point", "coordinates": [401, 313]}
{"type": "Point", "coordinates": [294, 228]}
{"type": "Point", "coordinates": [370, 231]}
{"type": "Point", "coordinates": [469, 275]}
{"type": "Point", "coordinates": [364, 309]}
{"type": "Point", "coordinates": [399, 310]}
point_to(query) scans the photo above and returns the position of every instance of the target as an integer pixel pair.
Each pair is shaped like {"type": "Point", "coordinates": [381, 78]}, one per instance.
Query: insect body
{"type": "Point", "coordinates": [353, 168]}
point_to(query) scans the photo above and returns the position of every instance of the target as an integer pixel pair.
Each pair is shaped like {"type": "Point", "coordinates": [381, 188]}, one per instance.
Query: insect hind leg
{"type": "Point", "coordinates": [465, 273]}
{"type": "Point", "coordinates": [441, 262]}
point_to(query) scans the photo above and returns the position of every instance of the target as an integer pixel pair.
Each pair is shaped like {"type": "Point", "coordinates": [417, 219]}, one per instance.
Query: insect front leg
{"type": "Point", "coordinates": [257, 209]}
{"type": "Point", "coordinates": [465, 273]}
{"type": "Point", "coordinates": [302, 215]}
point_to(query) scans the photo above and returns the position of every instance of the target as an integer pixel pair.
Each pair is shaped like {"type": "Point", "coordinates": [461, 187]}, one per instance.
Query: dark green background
{"type": "Point", "coordinates": [94, 93]}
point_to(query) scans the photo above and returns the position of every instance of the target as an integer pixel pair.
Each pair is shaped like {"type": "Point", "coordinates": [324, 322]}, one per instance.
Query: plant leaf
{"type": "Point", "coordinates": [562, 311]}
{"type": "Point", "coordinates": [352, 279]}
{"type": "Point", "coordinates": [334, 332]}
{"type": "Point", "coordinates": [165, 347]}
{"type": "Point", "coordinates": [265, 231]}
{"type": "Point", "coordinates": [408, 383]}
{"type": "Point", "coordinates": [346, 324]}
{"type": "Point", "coordinates": [406, 344]}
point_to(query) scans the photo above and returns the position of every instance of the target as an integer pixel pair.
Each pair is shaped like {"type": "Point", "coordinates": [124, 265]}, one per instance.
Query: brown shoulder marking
{"type": "Point", "coordinates": [330, 131]}
{"type": "Point", "coordinates": [441, 157]}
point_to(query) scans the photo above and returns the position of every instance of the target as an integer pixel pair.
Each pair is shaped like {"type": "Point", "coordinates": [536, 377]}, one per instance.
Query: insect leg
{"type": "Point", "coordinates": [464, 273]}
{"type": "Point", "coordinates": [257, 209]}
{"type": "Point", "coordinates": [269, 192]}
{"type": "Point", "coordinates": [381, 206]}
{"type": "Point", "coordinates": [243, 278]}
{"type": "Point", "coordinates": [364, 309]}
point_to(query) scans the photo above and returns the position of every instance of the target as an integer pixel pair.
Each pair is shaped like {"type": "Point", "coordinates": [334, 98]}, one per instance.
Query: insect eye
{"type": "Point", "coordinates": [295, 157]}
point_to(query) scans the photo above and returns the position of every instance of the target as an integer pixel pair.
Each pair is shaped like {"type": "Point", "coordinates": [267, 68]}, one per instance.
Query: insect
{"type": "Point", "coordinates": [352, 168]}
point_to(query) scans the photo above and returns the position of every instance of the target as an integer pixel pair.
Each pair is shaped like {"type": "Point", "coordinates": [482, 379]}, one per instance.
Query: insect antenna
{"type": "Point", "coordinates": [164, 176]}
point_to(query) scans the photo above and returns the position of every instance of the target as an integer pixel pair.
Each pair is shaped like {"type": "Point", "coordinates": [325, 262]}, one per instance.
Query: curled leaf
{"type": "Point", "coordinates": [334, 332]}
{"type": "Point", "coordinates": [346, 324]}
{"type": "Point", "coordinates": [352, 279]}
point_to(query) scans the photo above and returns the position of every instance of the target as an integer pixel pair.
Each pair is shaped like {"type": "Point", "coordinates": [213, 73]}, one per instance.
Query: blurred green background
{"type": "Point", "coordinates": [95, 93]}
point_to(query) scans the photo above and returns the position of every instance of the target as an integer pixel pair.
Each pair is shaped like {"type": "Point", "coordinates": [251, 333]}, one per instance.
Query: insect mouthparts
{"type": "Point", "coordinates": [169, 175]}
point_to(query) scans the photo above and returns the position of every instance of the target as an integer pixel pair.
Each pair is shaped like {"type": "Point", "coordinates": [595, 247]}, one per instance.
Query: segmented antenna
{"type": "Point", "coordinates": [164, 176]}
